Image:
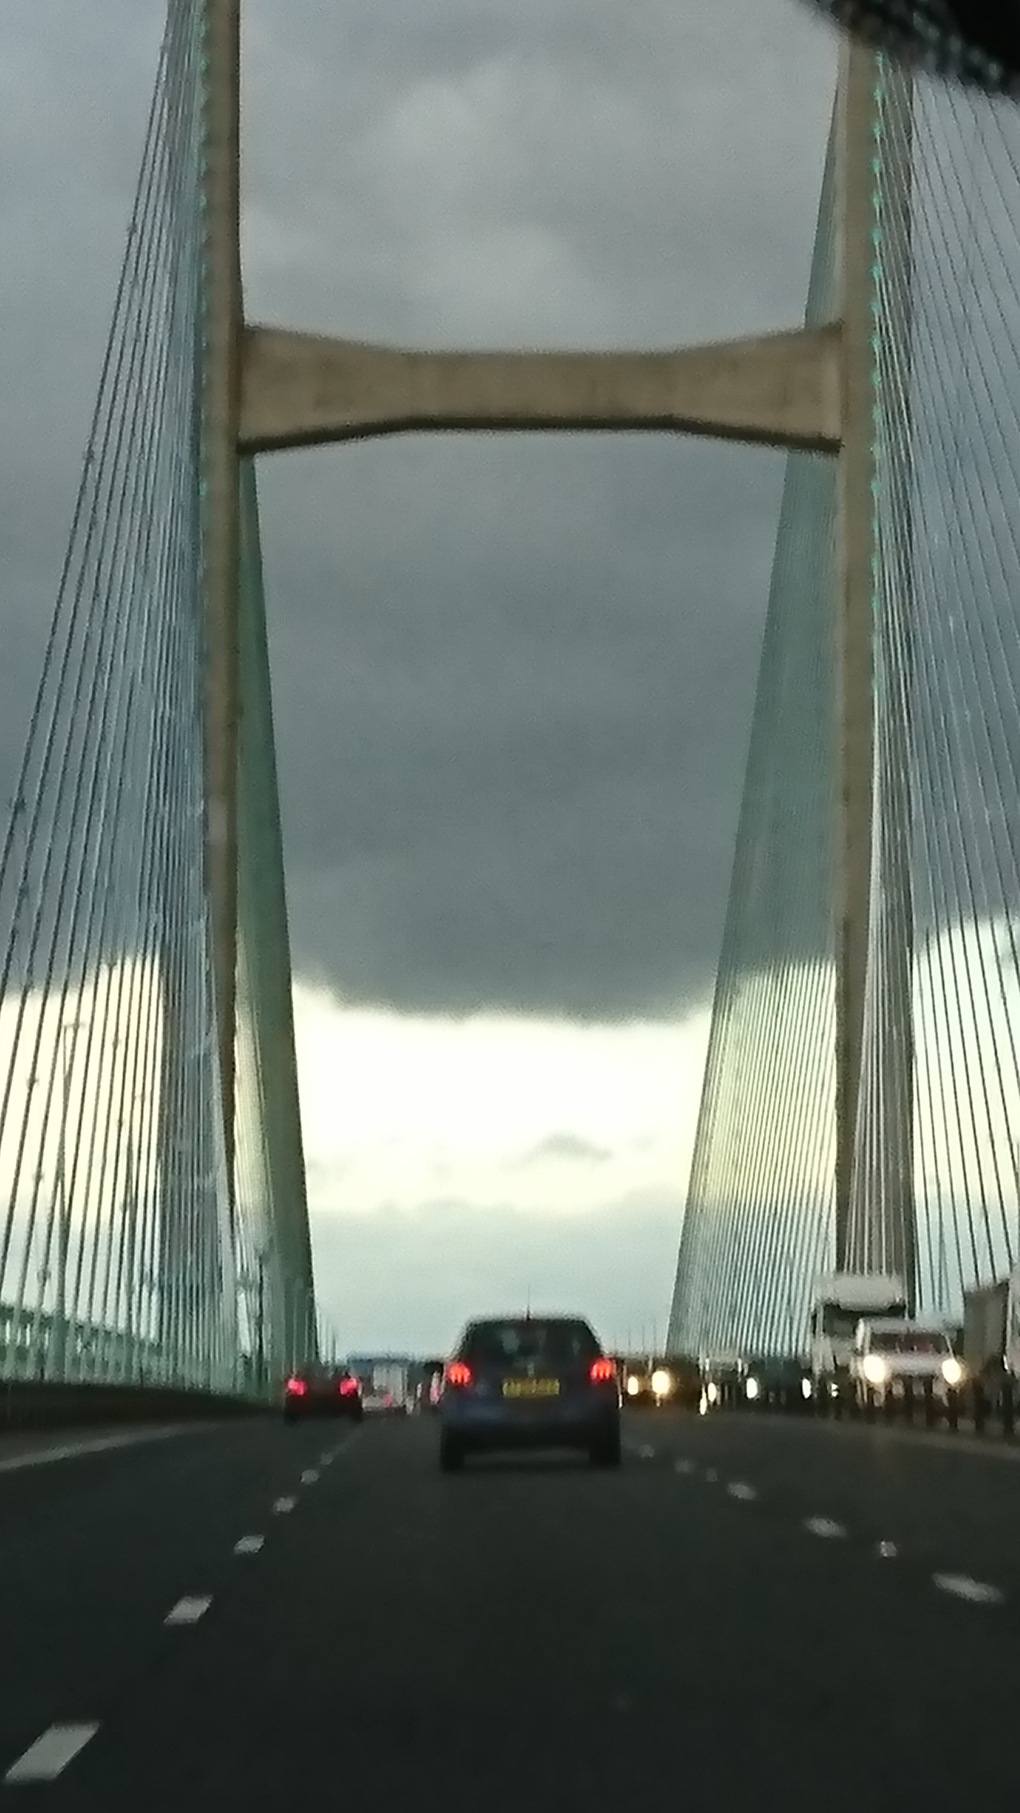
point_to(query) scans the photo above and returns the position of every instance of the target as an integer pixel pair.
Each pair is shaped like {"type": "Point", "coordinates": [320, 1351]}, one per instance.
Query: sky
{"type": "Point", "coordinates": [513, 677]}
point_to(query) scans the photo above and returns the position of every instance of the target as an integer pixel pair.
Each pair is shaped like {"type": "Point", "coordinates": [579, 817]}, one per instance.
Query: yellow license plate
{"type": "Point", "coordinates": [531, 1388]}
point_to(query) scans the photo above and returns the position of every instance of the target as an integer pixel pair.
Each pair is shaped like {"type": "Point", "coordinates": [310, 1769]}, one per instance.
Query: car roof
{"type": "Point", "coordinates": [522, 1317]}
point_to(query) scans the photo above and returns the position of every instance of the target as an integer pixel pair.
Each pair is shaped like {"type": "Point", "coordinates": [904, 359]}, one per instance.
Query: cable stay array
{"type": "Point", "coordinates": [937, 1137]}
{"type": "Point", "coordinates": [124, 1254]}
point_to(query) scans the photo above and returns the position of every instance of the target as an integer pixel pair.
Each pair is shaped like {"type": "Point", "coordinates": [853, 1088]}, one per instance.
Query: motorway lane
{"type": "Point", "coordinates": [531, 1633]}
{"type": "Point", "coordinates": [947, 1505]}
{"type": "Point", "coordinates": [94, 1552]}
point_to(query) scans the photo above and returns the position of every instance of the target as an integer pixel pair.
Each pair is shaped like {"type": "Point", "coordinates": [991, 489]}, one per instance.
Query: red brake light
{"type": "Point", "coordinates": [348, 1387]}
{"type": "Point", "coordinates": [296, 1388]}
{"type": "Point", "coordinates": [457, 1373]}
{"type": "Point", "coordinates": [601, 1372]}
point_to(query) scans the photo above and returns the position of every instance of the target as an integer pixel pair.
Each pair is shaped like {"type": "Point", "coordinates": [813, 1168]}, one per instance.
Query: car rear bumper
{"type": "Point", "coordinates": [323, 1407]}
{"type": "Point", "coordinates": [572, 1429]}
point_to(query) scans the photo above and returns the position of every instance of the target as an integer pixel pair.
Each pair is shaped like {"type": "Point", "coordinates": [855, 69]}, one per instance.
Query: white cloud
{"type": "Point", "coordinates": [458, 1164]}
{"type": "Point", "coordinates": [398, 1110]}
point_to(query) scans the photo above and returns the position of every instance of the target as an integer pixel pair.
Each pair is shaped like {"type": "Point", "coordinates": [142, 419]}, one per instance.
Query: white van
{"type": "Point", "coordinates": [888, 1351]}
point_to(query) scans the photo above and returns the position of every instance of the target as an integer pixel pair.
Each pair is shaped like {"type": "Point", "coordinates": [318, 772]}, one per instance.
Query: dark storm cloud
{"type": "Point", "coordinates": [512, 679]}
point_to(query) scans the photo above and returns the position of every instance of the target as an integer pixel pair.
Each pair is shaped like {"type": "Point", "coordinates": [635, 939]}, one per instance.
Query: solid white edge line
{"type": "Point", "coordinates": [100, 1444]}
{"type": "Point", "coordinates": [188, 1611]}
{"type": "Point", "coordinates": [44, 1760]}
{"type": "Point", "coordinates": [963, 1587]}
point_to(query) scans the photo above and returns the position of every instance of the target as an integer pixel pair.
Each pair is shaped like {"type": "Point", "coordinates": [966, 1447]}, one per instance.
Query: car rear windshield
{"type": "Point", "coordinates": [548, 1342]}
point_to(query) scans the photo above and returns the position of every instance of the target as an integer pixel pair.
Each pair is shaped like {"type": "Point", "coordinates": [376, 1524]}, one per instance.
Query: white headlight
{"type": "Point", "coordinates": [875, 1369]}
{"type": "Point", "coordinates": [712, 1392]}
{"type": "Point", "coordinates": [953, 1372]}
{"type": "Point", "coordinates": [807, 1389]}
{"type": "Point", "coordinates": [752, 1387]}
{"type": "Point", "coordinates": [662, 1383]}
{"type": "Point", "coordinates": [633, 1386]}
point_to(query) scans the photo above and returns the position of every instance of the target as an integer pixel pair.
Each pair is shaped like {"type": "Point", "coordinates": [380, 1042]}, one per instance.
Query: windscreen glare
{"type": "Point", "coordinates": [909, 1340]}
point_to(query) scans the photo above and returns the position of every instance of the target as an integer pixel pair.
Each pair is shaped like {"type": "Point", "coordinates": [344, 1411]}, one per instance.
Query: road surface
{"type": "Point", "coordinates": [752, 1614]}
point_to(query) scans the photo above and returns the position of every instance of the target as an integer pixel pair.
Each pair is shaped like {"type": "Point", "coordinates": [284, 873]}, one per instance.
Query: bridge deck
{"type": "Point", "coordinates": [714, 1624]}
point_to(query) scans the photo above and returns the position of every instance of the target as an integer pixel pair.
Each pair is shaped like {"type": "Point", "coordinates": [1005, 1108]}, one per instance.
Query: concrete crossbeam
{"type": "Point", "coordinates": [306, 390]}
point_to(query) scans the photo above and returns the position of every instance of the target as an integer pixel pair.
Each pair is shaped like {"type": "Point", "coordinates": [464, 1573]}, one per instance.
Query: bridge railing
{"type": "Point", "coordinates": [981, 1408]}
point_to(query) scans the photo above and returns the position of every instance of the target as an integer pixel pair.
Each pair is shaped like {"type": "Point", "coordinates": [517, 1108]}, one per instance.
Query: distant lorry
{"type": "Point", "coordinates": [991, 1330]}
{"type": "Point", "coordinates": [840, 1301]}
{"type": "Point", "coordinates": [384, 1380]}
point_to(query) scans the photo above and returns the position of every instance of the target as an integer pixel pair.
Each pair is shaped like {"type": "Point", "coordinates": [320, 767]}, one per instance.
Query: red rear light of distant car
{"type": "Point", "coordinates": [601, 1371]}
{"type": "Point", "coordinates": [296, 1388]}
{"type": "Point", "coordinates": [348, 1387]}
{"type": "Point", "coordinates": [457, 1373]}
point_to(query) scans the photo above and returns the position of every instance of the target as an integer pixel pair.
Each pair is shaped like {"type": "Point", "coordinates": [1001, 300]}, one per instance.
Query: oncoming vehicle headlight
{"type": "Point", "coordinates": [662, 1382]}
{"type": "Point", "coordinates": [752, 1388]}
{"type": "Point", "coordinates": [807, 1389]}
{"type": "Point", "coordinates": [633, 1386]}
{"type": "Point", "coordinates": [712, 1392]}
{"type": "Point", "coordinates": [875, 1369]}
{"type": "Point", "coordinates": [952, 1371]}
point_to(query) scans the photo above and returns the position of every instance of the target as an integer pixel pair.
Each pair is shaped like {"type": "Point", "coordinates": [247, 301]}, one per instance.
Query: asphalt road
{"type": "Point", "coordinates": [751, 1614]}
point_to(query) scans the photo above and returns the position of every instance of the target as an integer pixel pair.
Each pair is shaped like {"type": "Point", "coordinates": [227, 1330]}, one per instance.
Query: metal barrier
{"type": "Point", "coordinates": [28, 1405]}
{"type": "Point", "coordinates": [972, 1409]}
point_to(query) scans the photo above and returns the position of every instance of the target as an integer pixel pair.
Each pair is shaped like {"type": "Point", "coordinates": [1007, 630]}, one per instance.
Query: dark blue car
{"type": "Point", "coordinates": [529, 1382]}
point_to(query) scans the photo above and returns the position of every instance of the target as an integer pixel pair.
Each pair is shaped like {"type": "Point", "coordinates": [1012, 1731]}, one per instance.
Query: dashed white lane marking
{"type": "Point", "coordinates": [711, 1475]}
{"type": "Point", "coordinates": [887, 1551]}
{"type": "Point", "coordinates": [739, 1490]}
{"type": "Point", "coordinates": [188, 1611]}
{"type": "Point", "coordinates": [823, 1526]}
{"type": "Point", "coordinates": [683, 1466]}
{"type": "Point", "coordinates": [44, 1760]}
{"type": "Point", "coordinates": [646, 1453]}
{"type": "Point", "coordinates": [249, 1545]}
{"type": "Point", "coordinates": [965, 1588]}
{"type": "Point", "coordinates": [309, 1476]}
{"type": "Point", "coordinates": [283, 1505]}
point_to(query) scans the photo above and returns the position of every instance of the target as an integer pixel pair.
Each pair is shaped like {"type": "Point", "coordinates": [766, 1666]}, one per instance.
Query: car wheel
{"type": "Point", "coordinates": [606, 1453]}
{"type": "Point", "coordinates": [451, 1454]}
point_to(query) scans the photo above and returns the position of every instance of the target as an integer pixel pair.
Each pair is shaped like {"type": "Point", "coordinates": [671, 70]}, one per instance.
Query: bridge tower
{"type": "Point", "coordinates": [812, 388]}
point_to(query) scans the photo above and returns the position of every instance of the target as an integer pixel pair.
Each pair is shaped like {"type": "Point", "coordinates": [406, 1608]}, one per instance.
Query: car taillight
{"type": "Point", "coordinates": [348, 1387]}
{"type": "Point", "coordinates": [457, 1373]}
{"type": "Point", "coordinates": [296, 1388]}
{"type": "Point", "coordinates": [601, 1371]}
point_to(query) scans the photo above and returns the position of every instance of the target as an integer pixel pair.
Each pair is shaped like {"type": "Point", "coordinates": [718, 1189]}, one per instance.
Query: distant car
{"type": "Point", "coordinates": [656, 1384]}
{"type": "Point", "coordinates": [776, 1376]}
{"type": "Point", "coordinates": [314, 1391]}
{"type": "Point", "coordinates": [529, 1382]}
